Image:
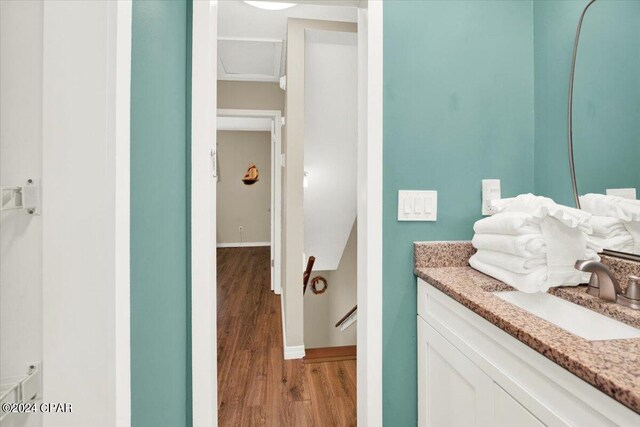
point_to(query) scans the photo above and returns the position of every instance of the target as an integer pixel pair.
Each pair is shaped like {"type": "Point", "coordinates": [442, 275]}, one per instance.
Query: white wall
{"type": "Point", "coordinates": [330, 143]}
{"type": "Point", "coordinates": [250, 96]}
{"type": "Point", "coordinates": [292, 195]}
{"type": "Point", "coordinates": [20, 159]}
{"type": "Point", "coordinates": [86, 211]}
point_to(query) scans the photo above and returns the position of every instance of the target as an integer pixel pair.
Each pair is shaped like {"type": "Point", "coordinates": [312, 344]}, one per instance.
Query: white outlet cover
{"type": "Point", "coordinates": [627, 193]}
{"type": "Point", "coordinates": [490, 191]}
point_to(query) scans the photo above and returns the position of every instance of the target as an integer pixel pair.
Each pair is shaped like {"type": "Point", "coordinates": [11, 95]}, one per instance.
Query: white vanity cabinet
{"type": "Point", "coordinates": [453, 391]}
{"type": "Point", "coordinates": [471, 373]}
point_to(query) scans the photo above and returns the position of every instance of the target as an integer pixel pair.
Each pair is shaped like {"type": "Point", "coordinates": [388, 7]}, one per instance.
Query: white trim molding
{"type": "Point", "coordinates": [294, 352]}
{"type": "Point", "coordinates": [369, 341]}
{"type": "Point", "coordinates": [243, 244]}
{"type": "Point", "coordinates": [203, 214]}
{"type": "Point", "coordinates": [123, 10]}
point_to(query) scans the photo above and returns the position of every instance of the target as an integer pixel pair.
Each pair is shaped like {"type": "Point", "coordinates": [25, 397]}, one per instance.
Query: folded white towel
{"type": "Point", "coordinates": [591, 253]}
{"type": "Point", "coordinates": [622, 243]}
{"type": "Point", "coordinates": [511, 223]}
{"type": "Point", "coordinates": [527, 245]}
{"type": "Point", "coordinates": [613, 206]}
{"type": "Point", "coordinates": [633, 227]}
{"type": "Point", "coordinates": [565, 246]}
{"type": "Point", "coordinates": [513, 263]}
{"type": "Point", "coordinates": [536, 261]}
{"type": "Point", "coordinates": [607, 226]}
{"type": "Point", "coordinates": [536, 280]}
{"type": "Point", "coordinates": [543, 207]}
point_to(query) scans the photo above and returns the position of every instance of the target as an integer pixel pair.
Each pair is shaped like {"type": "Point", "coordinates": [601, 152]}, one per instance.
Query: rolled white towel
{"type": "Point", "coordinates": [607, 226]}
{"type": "Point", "coordinates": [511, 223]}
{"type": "Point", "coordinates": [513, 263]}
{"type": "Point", "coordinates": [613, 206]}
{"type": "Point", "coordinates": [543, 207]}
{"type": "Point", "coordinates": [527, 245]}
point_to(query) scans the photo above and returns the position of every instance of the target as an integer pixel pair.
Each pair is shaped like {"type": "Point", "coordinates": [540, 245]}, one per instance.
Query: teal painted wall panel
{"type": "Point", "coordinates": [554, 30]}
{"type": "Point", "coordinates": [458, 107]}
{"type": "Point", "coordinates": [606, 96]}
{"type": "Point", "coordinates": [159, 223]}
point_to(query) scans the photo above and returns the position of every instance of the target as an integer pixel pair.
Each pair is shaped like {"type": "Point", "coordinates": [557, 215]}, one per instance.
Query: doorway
{"type": "Point", "coordinates": [369, 212]}
{"type": "Point", "coordinates": [264, 126]}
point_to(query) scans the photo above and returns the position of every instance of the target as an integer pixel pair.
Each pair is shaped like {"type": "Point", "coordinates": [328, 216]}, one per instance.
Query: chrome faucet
{"type": "Point", "coordinates": [603, 284]}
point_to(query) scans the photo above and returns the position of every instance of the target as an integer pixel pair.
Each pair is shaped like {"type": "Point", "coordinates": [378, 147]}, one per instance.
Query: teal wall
{"type": "Point", "coordinates": [458, 107]}
{"type": "Point", "coordinates": [160, 347]}
{"type": "Point", "coordinates": [606, 96]}
{"type": "Point", "coordinates": [554, 31]}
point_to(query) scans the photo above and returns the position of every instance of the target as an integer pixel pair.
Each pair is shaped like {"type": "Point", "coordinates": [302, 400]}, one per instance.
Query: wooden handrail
{"type": "Point", "coordinates": [346, 316]}
{"type": "Point", "coordinates": [307, 273]}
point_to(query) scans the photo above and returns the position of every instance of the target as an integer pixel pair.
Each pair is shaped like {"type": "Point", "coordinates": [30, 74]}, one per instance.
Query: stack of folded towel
{"type": "Point", "coordinates": [610, 233]}
{"type": "Point", "coordinates": [615, 221]}
{"type": "Point", "coordinates": [532, 243]}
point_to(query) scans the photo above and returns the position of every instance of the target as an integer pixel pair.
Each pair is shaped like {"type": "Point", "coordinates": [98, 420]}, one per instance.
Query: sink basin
{"type": "Point", "coordinates": [571, 317]}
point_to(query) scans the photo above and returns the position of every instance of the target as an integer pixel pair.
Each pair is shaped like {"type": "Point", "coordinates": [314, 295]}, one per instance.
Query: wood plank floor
{"type": "Point", "coordinates": [256, 386]}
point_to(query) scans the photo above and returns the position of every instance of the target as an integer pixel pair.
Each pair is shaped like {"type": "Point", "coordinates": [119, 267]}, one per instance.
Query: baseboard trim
{"type": "Point", "coordinates": [284, 329]}
{"type": "Point", "coordinates": [242, 244]}
{"type": "Point", "coordinates": [294, 352]}
{"type": "Point", "coordinates": [330, 354]}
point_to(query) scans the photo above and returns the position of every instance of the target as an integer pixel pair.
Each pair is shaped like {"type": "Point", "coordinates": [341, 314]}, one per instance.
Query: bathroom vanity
{"type": "Point", "coordinates": [484, 361]}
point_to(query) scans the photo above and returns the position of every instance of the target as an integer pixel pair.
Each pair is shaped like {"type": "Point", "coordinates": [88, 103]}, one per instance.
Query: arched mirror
{"type": "Point", "coordinates": [604, 121]}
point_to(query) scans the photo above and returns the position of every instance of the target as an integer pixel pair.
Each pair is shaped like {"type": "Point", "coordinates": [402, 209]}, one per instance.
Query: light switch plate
{"type": "Point", "coordinates": [417, 205]}
{"type": "Point", "coordinates": [627, 193]}
{"type": "Point", "coordinates": [490, 191]}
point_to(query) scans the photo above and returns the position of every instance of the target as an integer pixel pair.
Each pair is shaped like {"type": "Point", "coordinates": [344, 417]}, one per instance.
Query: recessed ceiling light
{"type": "Point", "coordinates": [269, 5]}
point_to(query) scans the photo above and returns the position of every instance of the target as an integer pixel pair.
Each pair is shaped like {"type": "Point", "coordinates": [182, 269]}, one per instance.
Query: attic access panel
{"type": "Point", "coordinates": [250, 59]}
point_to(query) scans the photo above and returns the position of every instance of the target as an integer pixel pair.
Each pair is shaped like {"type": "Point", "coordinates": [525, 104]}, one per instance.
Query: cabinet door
{"type": "Point", "coordinates": [452, 390]}
{"type": "Point", "coordinates": [508, 412]}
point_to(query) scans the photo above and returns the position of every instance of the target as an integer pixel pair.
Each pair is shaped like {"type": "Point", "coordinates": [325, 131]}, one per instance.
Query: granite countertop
{"type": "Point", "coordinates": [612, 366]}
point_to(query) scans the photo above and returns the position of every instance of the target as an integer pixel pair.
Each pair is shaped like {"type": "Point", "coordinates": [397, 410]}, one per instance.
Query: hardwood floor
{"type": "Point", "coordinates": [256, 386]}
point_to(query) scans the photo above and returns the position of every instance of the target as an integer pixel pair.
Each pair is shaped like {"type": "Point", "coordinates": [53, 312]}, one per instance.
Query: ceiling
{"type": "Point", "coordinates": [252, 41]}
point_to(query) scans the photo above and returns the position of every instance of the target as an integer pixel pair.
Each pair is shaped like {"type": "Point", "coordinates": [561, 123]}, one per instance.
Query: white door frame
{"type": "Point", "coordinates": [369, 332]}
{"type": "Point", "coordinates": [276, 185]}
{"type": "Point", "coordinates": [203, 214]}
{"type": "Point", "coordinates": [203, 211]}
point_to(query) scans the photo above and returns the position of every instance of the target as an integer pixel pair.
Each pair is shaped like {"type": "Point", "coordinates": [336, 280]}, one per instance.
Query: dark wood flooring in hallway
{"type": "Point", "coordinates": [256, 386]}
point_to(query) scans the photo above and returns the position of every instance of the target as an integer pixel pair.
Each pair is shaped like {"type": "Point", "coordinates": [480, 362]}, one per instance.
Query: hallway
{"type": "Point", "coordinates": [256, 387]}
